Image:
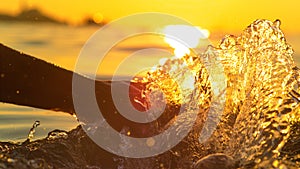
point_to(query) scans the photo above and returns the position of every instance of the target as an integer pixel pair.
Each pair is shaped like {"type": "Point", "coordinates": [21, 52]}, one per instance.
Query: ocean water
{"type": "Point", "coordinates": [61, 45]}
{"type": "Point", "coordinates": [249, 139]}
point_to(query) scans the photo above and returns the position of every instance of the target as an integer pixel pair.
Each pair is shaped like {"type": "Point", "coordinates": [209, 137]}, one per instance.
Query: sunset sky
{"type": "Point", "coordinates": [211, 14]}
{"type": "Point", "coordinates": [220, 17]}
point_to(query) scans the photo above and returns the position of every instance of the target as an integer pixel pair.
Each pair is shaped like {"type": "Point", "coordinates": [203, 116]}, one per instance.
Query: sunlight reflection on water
{"type": "Point", "coordinates": [59, 44]}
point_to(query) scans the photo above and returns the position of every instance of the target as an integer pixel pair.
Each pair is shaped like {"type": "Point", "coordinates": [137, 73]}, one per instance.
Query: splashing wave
{"type": "Point", "coordinates": [259, 126]}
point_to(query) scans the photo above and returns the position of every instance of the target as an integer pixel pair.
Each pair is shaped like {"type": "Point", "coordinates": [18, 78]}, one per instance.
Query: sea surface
{"type": "Point", "coordinates": [61, 45]}
{"type": "Point", "coordinates": [249, 134]}
{"type": "Point", "coordinates": [58, 44]}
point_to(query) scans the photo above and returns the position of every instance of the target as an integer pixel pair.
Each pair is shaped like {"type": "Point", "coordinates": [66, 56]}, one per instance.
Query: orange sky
{"type": "Point", "coordinates": [211, 14]}
{"type": "Point", "coordinates": [218, 16]}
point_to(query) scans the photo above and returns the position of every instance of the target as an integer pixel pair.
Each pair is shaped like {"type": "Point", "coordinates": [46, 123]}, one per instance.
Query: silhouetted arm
{"type": "Point", "coordinates": [26, 80]}
{"type": "Point", "coordinates": [29, 81]}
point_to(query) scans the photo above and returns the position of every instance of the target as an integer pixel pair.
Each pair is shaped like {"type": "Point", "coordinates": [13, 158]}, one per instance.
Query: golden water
{"type": "Point", "coordinates": [262, 94]}
{"type": "Point", "coordinates": [258, 127]}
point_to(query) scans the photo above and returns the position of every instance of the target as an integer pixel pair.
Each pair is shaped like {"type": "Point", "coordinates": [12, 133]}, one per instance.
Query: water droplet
{"type": "Point", "coordinates": [150, 142]}
{"type": "Point", "coordinates": [275, 163]}
{"type": "Point", "coordinates": [10, 160]}
{"type": "Point", "coordinates": [56, 134]}
{"type": "Point", "coordinates": [277, 23]}
{"type": "Point", "coordinates": [258, 160]}
{"type": "Point", "coordinates": [227, 42]}
{"type": "Point", "coordinates": [32, 130]}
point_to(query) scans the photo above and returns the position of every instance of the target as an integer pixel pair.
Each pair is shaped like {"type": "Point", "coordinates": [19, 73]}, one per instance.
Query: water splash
{"type": "Point", "coordinates": [57, 134]}
{"type": "Point", "coordinates": [261, 100]}
{"type": "Point", "coordinates": [259, 128]}
{"type": "Point", "coordinates": [32, 130]}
